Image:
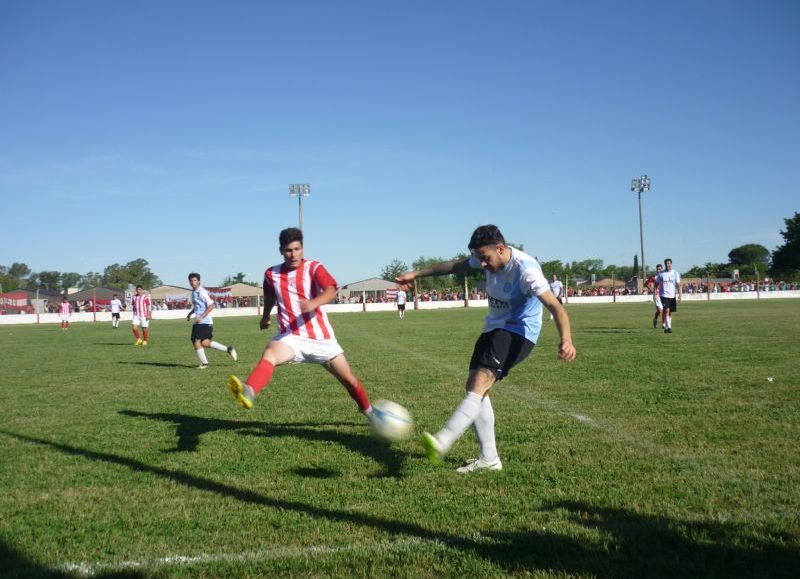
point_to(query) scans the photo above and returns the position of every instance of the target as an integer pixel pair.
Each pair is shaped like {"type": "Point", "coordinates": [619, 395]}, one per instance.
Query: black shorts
{"type": "Point", "coordinates": [401, 307]}
{"type": "Point", "coordinates": [499, 351]}
{"type": "Point", "coordinates": [202, 332]}
{"type": "Point", "coordinates": [670, 304]}
{"type": "Point", "coordinates": [115, 316]}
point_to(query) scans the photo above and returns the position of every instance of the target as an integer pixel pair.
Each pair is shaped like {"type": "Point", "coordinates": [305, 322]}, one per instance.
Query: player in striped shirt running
{"type": "Point", "coordinates": [300, 288]}
{"type": "Point", "coordinates": [141, 315]}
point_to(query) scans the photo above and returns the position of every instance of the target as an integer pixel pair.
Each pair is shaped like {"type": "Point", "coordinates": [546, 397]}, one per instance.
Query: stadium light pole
{"type": "Point", "coordinates": [639, 186]}
{"type": "Point", "coordinates": [300, 190]}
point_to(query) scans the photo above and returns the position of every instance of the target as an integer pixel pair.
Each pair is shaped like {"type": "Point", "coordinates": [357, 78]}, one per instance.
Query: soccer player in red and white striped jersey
{"type": "Point", "coordinates": [141, 315]}
{"type": "Point", "coordinates": [300, 288]}
{"type": "Point", "coordinates": [64, 311]}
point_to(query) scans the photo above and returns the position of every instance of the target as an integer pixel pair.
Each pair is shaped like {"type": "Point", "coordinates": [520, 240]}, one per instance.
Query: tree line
{"type": "Point", "coordinates": [783, 263]}
{"type": "Point", "coordinates": [19, 276]}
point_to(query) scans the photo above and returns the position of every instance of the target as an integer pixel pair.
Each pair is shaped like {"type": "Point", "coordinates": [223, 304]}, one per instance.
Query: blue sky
{"type": "Point", "coordinates": [171, 130]}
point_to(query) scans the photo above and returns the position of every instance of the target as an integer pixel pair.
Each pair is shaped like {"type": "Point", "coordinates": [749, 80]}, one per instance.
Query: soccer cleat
{"type": "Point", "coordinates": [243, 393]}
{"type": "Point", "coordinates": [138, 342]}
{"type": "Point", "coordinates": [433, 450]}
{"type": "Point", "coordinates": [474, 464]}
{"type": "Point", "coordinates": [232, 352]}
{"type": "Point", "coordinates": [202, 366]}
{"type": "Point", "coordinates": [144, 343]}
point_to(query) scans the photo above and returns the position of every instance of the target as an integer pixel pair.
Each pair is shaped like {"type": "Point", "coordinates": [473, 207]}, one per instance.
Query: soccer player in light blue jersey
{"type": "Point", "coordinates": [517, 289]}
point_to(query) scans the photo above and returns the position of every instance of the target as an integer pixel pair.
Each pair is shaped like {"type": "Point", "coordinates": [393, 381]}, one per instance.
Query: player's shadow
{"type": "Point", "coordinates": [190, 428]}
{"type": "Point", "coordinates": [119, 344]}
{"type": "Point", "coordinates": [13, 564]}
{"type": "Point", "coordinates": [159, 364]}
{"type": "Point", "coordinates": [611, 542]}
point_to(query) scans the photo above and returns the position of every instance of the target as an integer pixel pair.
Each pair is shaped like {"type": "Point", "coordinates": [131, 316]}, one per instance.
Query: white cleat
{"type": "Point", "coordinates": [474, 464]}
{"type": "Point", "coordinates": [232, 352]}
{"type": "Point", "coordinates": [202, 366]}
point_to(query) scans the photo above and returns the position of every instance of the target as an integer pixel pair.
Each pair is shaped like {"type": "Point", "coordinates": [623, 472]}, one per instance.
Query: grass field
{"type": "Point", "coordinates": [651, 455]}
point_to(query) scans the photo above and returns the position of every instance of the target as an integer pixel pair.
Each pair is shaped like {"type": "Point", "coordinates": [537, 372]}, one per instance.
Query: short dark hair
{"type": "Point", "coordinates": [659, 265]}
{"type": "Point", "coordinates": [486, 235]}
{"type": "Point", "coordinates": [138, 286]}
{"type": "Point", "coordinates": [290, 235]}
{"type": "Point", "coordinates": [194, 274]}
{"type": "Point", "coordinates": [667, 260]}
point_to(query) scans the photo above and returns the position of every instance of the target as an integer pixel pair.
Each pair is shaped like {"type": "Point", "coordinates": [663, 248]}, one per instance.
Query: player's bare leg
{"type": "Point", "coordinates": [275, 354]}
{"type": "Point", "coordinates": [340, 369]}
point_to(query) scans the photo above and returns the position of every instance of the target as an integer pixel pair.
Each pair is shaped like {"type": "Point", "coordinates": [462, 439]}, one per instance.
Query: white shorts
{"type": "Point", "coordinates": [64, 318]}
{"type": "Point", "coordinates": [310, 350]}
{"type": "Point", "coordinates": [658, 303]}
{"type": "Point", "coordinates": [143, 322]}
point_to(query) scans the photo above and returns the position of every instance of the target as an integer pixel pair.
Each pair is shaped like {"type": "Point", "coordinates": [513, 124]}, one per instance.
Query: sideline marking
{"type": "Point", "coordinates": [91, 569]}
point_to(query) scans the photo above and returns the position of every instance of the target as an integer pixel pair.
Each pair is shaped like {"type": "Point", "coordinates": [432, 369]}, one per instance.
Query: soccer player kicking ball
{"type": "Point", "coordinates": [299, 287]}
{"type": "Point", "coordinates": [203, 327]}
{"type": "Point", "coordinates": [517, 289]}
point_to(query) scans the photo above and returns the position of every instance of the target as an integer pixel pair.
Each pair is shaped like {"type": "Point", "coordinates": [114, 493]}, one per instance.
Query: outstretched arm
{"type": "Point", "coordinates": [406, 280]}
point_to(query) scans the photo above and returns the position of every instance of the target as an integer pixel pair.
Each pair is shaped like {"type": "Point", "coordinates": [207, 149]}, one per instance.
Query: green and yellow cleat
{"type": "Point", "coordinates": [243, 393]}
{"type": "Point", "coordinates": [433, 449]}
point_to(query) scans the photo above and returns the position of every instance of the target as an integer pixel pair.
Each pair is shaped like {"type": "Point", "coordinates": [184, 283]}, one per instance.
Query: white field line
{"type": "Point", "coordinates": [279, 553]}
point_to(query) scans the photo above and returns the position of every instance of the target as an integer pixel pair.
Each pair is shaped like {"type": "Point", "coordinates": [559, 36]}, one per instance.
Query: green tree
{"type": "Point", "coordinates": [136, 272]}
{"type": "Point", "coordinates": [710, 269]}
{"type": "Point", "coordinates": [394, 269]}
{"type": "Point", "coordinates": [48, 280]}
{"type": "Point", "coordinates": [238, 278]}
{"type": "Point", "coordinates": [751, 254]}
{"type": "Point", "coordinates": [69, 279]}
{"type": "Point", "coordinates": [19, 270]}
{"type": "Point", "coordinates": [430, 283]}
{"type": "Point", "coordinates": [786, 258]}
{"type": "Point", "coordinates": [91, 279]}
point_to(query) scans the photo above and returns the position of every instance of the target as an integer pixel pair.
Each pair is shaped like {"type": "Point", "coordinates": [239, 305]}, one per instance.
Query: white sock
{"type": "Point", "coordinates": [484, 431]}
{"type": "Point", "coordinates": [669, 322]}
{"type": "Point", "coordinates": [218, 346]}
{"type": "Point", "coordinates": [459, 421]}
{"type": "Point", "coordinates": [201, 355]}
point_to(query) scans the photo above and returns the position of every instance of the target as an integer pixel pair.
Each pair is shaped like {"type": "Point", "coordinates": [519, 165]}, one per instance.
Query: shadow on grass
{"type": "Point", "coordinates": [190, 428]}
{"type": "Point", "coordinates": [631, 545]}
{"type": "Point", "coordinates": [125, 344]}
{"type": "Point", "coordinates": [161, 364]}
{"type": "Point", "coordinates": [14, 565]}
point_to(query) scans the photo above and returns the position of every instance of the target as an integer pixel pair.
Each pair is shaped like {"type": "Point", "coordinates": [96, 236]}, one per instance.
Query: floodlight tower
{"type": "Point", "coordinates": [300, 191]}
{"type": "Point", "coordinates": [640, 185]}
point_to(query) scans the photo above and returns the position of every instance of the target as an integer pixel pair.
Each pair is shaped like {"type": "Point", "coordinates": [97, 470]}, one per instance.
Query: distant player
{"type": "Point", "coordinates": [671, 293]}
{"type": "Point", "coordinates": [116, 308]}
{"type": "Point", "coordinates": [203, 327]}
{"type": "Point", "coordinates": [300, 288]}
{"type": "Point", "coordinates": [65, 310]}
{"type": "Point", "coordinates": [653, 285]}
{"type": "Point", "coordinates": [517, 290]}
{"type": "Point", "coordinates": [558, 290]}
{"type": "Point", "coordinates": [400, 298]}
{"type": "Point", "coordinates": [142, 311]}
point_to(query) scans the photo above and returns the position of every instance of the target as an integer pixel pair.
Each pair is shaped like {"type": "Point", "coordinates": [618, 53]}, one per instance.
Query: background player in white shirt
{"type": "Point", "coordinates": [517, 290]}
{"type": "Point", "coordinates": [558, 290]}
{"type": "Point", "coordinates": [670, 283]}
{"type": "Point", "coordinates": [400, 298]}
{"type": "Point", "coordinates": [116, 307]}
{"type": "Point", "coordinates": [203, 327]}
{"type": "Point", "coordinates": [300, 288]}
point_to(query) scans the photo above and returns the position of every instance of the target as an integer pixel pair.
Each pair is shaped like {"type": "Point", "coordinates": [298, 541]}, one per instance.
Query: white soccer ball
{"type": "Point", "coordinates": [391, 421]}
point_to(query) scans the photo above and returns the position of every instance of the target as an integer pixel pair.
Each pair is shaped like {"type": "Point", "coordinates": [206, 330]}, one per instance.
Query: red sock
{"type": "Point", "coordinates": [360, 396]}
{"type": "Point", "coordinates": [261, 375]}
{"type": "Point", "coordinates": [144, 331]}
{"type": "Point", "coordinates": [135, 333]}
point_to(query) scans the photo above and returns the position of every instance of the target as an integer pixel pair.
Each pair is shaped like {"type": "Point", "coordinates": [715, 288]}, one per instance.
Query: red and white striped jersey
{"type": "Point", "coordinates": [141, 305]}
{"type": "Point", "coordinates": [289, 286]}
{"type": "Point", "coordinates": [66, 308]}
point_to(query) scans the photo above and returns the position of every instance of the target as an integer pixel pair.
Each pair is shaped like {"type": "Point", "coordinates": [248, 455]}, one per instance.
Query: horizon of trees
{"type": "Point", "coordinates": [748, 259]}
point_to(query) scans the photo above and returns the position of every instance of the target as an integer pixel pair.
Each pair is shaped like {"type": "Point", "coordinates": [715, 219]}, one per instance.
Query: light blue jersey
{"type": "Point", "coordinates": [513, 296]}
{"type": "Point", "coordinates": [201, 300]}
